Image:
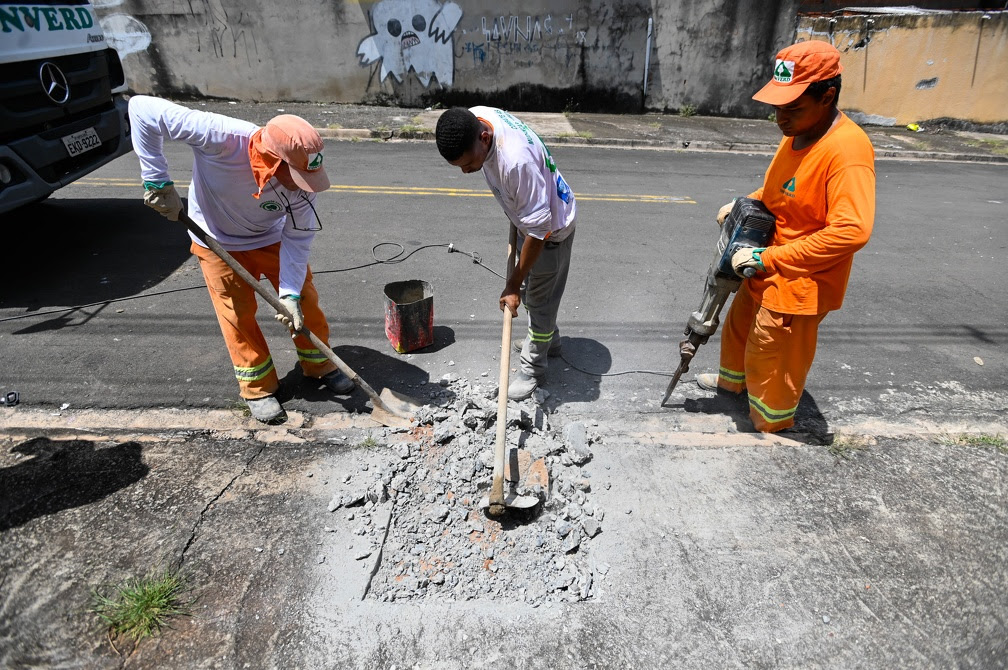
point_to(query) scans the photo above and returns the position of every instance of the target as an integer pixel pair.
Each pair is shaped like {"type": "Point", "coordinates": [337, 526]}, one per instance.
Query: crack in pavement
{"type": "Point", "coordinates": [199, 521]}
{"type": "Point", "coordinates": [378, 554]}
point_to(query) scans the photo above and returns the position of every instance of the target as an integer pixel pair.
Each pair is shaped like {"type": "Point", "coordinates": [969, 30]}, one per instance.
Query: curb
{"type": "Point", "coordinates": [151, 424]}
{"type": "Point", "coordinates": [701, 146]}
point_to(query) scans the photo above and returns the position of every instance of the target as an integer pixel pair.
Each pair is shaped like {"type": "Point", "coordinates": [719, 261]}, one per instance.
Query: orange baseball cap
{"type": "Point", "coordinates": [295, 141]}
{"type": "Point", "coordinates": [798, 66]}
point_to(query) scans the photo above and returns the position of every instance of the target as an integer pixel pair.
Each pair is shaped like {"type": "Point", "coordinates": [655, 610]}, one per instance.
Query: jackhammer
{"type": "Point", "coordinates": [750, 225]}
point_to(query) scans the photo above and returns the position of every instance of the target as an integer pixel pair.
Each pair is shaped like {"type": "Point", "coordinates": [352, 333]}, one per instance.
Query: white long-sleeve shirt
{"type": "Point", "coordinates": [221, 198]}
{"type": "Point", "coordinates": [525, 180]}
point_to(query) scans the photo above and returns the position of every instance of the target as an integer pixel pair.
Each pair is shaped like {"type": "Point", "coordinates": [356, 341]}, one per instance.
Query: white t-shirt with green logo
{"type": "Point", "coordinates": [525, 180]}
{"type": "Point", "coordinates": [220, 193]}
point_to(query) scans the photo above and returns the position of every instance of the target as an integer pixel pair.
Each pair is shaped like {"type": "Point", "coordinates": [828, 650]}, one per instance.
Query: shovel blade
{"type": "Point", "coordinates": [400, 404]}
{"type": "Point", "coordinates": [395, 409]}
{"type": "Point", "coordinates": [512, 501]}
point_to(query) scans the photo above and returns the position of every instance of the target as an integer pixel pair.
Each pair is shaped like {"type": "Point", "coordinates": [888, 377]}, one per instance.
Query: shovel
{"type": "Point", "coordinates": [390, 408]}
{"type": "Point", "coordinates": [497, 503]}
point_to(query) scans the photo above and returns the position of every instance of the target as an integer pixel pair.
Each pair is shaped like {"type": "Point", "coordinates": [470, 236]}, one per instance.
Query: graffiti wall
{"type": "Point", "coordinates": [628, 55]}
{"type": "Point", "coordinates": [529, 57]}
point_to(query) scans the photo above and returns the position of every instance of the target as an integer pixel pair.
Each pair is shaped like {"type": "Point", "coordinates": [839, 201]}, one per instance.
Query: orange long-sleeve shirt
{"type": "Point", "coordinates": [823, 198]}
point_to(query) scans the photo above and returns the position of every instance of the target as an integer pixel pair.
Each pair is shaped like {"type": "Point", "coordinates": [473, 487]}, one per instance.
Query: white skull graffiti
{"type": "Point", "coordinates": [412, 35]}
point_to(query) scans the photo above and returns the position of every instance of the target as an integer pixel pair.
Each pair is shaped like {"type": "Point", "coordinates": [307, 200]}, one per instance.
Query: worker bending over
{"type": "Point", "coordinates": [526, 182]}
{"type": "Point", "coordinates": [253, 190]}
{"type": "Point", "coordinates": [820, 187]}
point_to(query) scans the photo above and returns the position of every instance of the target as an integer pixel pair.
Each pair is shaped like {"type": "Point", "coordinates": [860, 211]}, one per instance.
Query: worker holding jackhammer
{"type": "Point", "coordinates": [253, 190]}
{"type": "Point", "coordinates": [820, 187]}
{"type": "Point", "coordinates": [525, 180]}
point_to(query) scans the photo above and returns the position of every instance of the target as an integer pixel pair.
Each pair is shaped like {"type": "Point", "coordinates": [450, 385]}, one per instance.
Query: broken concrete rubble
{"type": "Point", "coordinates": [439, 544]}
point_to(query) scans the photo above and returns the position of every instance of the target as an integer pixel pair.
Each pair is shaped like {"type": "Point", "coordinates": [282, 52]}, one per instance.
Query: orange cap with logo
{"type": "Point", "coordinates": [796, 67]}
{"type": "Point", "coordinates": [293, 140]}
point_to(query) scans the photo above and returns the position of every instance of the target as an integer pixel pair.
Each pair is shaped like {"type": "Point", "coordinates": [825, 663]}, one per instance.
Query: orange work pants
{"type": "Point", "coordinates": [235, 304]}
{"type": "Point", "coordinates": [769, 354]}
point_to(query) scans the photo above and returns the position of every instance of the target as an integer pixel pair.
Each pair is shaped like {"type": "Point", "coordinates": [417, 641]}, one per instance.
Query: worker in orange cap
{"type": "Point", "coordinates": [820, 186]}
{"type": "Point", "coordinates": [253, 190]}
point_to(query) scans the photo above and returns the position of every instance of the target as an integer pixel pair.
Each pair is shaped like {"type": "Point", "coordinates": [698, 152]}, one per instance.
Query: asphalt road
{"type": "Point", "coordinates": [874, 537]}
{"type": "Point", "coordinates": [926, 298]}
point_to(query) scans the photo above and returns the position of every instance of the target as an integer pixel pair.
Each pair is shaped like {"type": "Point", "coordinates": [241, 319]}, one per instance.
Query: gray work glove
{"type": "Point", "coordinates": [164, 199]}
{"type": "Point", "coordinates": [747, 261]}
{"type": "Point", "coordinates": [296, 320]}
{"type": "Point", "coordinates": [723, 213]}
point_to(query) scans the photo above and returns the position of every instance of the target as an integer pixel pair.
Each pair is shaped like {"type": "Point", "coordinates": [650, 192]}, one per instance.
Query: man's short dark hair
{"type": "Point", "coordinates": [817, 89]}
{"type": "Point", "coordinates": [457, 131]}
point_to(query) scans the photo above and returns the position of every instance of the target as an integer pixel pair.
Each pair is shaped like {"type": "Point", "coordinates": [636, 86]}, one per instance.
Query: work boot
{"type": "Point", "coordinates": [522, 386]}
{"type": "Point", "coordinates": [708, 381]}
{"type": "Point", "coordinates": [338, 383]}
{"type": "Point", "coordinates": [267, 410]}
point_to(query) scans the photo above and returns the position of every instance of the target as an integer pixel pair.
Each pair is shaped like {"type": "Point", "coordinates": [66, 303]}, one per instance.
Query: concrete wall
{"type": "Point", "coordinates": [547, 55]}
{"type": "Point", "coordinates": [705, 55]}
{"type": "Point", "coordinates": [712, 55]}
{"type": "Point", "coordinates": [917, 68]}
{"type": "Point", "coordinates": [253, 50]}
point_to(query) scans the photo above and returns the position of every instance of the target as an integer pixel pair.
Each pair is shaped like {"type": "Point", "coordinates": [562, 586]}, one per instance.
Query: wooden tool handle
{"type": "Point", "coordinates": [500, 446]}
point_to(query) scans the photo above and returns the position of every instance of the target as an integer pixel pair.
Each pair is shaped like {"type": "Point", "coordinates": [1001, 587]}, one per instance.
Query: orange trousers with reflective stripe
{"type": "Point", "coordinates": [235, 304]}
{"type": "Point", "coordinates": [769, 354]}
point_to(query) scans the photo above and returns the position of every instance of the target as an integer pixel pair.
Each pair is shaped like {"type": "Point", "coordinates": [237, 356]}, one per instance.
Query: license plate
{"type": "Point", "coordinates": [85, 140]}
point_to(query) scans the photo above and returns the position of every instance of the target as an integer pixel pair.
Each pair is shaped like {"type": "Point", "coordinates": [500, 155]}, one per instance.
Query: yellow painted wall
{"type": "Point", "coordinates": [910, 68]}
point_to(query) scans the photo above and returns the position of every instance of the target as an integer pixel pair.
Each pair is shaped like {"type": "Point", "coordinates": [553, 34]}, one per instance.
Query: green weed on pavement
{"type": "Point", "coordinates": [139, 607]}
{"type": "Point", "coordinates": [976, 440]}
{"type": "Point", "coordinates": [843, 447]}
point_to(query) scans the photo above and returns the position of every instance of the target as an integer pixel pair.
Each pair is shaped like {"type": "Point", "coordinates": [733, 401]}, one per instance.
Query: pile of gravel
{"type": "Point", "coordinates": [418, 504]}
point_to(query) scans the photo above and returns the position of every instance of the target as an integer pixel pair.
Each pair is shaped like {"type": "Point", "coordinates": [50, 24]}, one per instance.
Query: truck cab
{"type": "Point", "coordinates": [63, 111]}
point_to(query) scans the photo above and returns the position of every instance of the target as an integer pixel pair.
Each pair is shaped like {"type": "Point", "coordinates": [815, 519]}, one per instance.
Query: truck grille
{"type": "Point", "coordinates": [25, 109]}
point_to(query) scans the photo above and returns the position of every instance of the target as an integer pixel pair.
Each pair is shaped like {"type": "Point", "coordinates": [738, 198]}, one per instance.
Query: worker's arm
{"type": "Point", "coordinates": [153, 120]}
{"type": "Point", "coordinates": [850, 196]}
{"type": "Point", "coordinates": [295, 242]}
{"type": "Point", "coordinates": [511, 297]}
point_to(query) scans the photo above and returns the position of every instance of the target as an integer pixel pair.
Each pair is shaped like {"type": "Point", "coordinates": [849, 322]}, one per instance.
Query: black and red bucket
{"type": "Point", "coordinates": [409, 315]}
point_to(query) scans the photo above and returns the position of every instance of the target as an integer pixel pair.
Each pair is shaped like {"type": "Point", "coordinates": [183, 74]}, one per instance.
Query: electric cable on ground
{"type": "Point", "coordinates": [391, 260]}
{"type": "Point", "coordinates": [476, 259]}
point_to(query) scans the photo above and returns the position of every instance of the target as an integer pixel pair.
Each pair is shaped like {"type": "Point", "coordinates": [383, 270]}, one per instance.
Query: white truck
{"type": "Point", "coordinates": [62, 103]}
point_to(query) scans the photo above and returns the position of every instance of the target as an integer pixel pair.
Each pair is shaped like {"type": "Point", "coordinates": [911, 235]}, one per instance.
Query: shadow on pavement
{"type": "Point", "coordinates": [574, 376]}
{"type": "Point", "coordinates": [443, 337]}
{"type": "Point", "coordinates": [78, 251]}
{"type": "Point", "coordinates": [810, 424]}
{"type": "Point", "coordinates": [64, 475]}
{"type": "Point", "coordinates": [809, 419]}
{"type": "Point", "coordinates": [377, 369]}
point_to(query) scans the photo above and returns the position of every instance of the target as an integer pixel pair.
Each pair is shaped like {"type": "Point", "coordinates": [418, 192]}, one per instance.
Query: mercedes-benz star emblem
{"type": "Point", "coordinates": [54, 83]}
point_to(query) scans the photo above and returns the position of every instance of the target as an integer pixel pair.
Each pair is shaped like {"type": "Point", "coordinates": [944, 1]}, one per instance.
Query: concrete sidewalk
{"type": "Point", "coordinates": [657, 131]}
